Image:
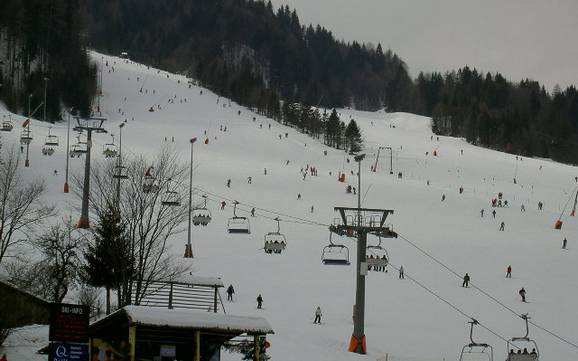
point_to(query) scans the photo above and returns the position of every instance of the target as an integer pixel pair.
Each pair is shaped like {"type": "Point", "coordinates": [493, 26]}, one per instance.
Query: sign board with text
{"type": "Point", "coordinates": [68, 352]}
{"type": "Point", "coordinates": [69, 323]}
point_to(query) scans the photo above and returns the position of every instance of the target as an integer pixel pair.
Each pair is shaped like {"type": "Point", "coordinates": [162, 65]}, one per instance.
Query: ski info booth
{"type": "Point", "coordinates": [135, 333]}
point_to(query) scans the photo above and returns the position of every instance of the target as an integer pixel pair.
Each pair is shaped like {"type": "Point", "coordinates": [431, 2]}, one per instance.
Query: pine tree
{"type": "Point", "coordinates": [332, 130]}
{"type": "Point", "coordinates": [353, 137]}
{"type": "Point", "coordinates": [108, 260]}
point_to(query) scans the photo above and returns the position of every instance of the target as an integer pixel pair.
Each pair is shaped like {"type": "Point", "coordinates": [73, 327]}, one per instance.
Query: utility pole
{"type": "Point", "coordinates": [119, 175]}
{"type": "Point", "coordinates": [89, 125]}
{"type": "Point", "coordinates": [29, 137]}
{"type": "Point", "coordinates": [189, 247]}
{"type": "Point", "coordinates": [361, 222]}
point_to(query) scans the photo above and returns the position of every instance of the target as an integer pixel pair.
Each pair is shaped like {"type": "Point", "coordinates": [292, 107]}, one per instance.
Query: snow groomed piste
{"type": "Point", "coordinates": [413, 318]}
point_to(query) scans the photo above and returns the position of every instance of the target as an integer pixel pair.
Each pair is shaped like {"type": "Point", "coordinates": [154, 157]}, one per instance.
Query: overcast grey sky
{"type": "Point", "coordinates": [535, 39]}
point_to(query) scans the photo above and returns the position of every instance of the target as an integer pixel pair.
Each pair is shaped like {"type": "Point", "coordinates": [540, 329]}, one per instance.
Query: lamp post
{"type": "Point", "coordinates": [45, 90]}
{"type": "Point", "coordinates": [189, 247]}
{"type": "Point", "coordinates": [66, 188]}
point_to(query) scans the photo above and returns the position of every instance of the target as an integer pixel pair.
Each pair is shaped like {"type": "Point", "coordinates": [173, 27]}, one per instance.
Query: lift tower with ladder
{"type": "Point", "coordinates": [359, 222]}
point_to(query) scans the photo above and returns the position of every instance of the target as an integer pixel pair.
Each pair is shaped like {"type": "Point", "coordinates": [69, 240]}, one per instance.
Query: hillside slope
{"type": "Point", "coordinates": [402, 319]}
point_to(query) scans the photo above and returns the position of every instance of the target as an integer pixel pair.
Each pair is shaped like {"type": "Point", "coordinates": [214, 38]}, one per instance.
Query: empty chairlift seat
{"type": "Point", "coordinates": [335, 254]}
{"type": "Point", "coordinates": [238, 224]}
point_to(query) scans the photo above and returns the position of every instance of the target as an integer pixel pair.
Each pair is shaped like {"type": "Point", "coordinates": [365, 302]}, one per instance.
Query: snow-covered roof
{"type": "Point", "coordinates": [180, 318]}
{"type": "Point", "coordinates": [199, 280]}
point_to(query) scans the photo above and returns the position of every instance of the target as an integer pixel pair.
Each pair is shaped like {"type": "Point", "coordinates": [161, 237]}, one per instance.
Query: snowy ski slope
{"type": "Point", "coordinates": [402, 319]}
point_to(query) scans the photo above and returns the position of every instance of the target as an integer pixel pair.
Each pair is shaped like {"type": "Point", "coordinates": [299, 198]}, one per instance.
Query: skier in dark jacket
{"type": "Point", "coordinates": [522, 294]}
{"type": "Point", "coordinates": [259, 301]}
{"type": "Point", "coordinates": [466, 282]}
{"type": "Point", "coordinates": [230, 293]}
{"type": "Point", "coordinates": [509, 272]}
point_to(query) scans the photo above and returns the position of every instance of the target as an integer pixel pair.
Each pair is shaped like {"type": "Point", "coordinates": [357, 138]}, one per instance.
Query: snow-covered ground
{"type": "Point", "coordinates": [402, 319]}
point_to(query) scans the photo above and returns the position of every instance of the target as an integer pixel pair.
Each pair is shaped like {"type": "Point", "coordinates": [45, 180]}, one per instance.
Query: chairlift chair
{"type": "Point", "coordinates": [171, 197]}
{"type": "Point", "coordinates": [51, 140]}
{"type": "Point", "coordinates": [474, 350]}
{"type": "Point", "coordinates": [335, 254]}
{"type": "Point", "coordinates": [237, 224]}
{"type": "Point", "coordinates": [47, 150]}
{"type": "Point", "coordinates": [26, 137]}
{"type": "Point", "coordinates": [149, 185]}
{"type": "Point", "coordinates": [527, 348]}
{"type": "Point", "coordinates": [79, 148]}
{"type": "Point", "coordinates": [7, 125]}
{"type": "Point", "coordinates": [109, 149]}
{"type": "Point", "coordinates": [201, 216]}
{"type": "Point", "coordinates": [376, 257]}
{"type": "Point", "coordinates": [120, 172]}
{"type": "Point", "coordinates": [275, 242]}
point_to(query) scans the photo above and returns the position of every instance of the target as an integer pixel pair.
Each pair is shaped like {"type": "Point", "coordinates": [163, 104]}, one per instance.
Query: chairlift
{"type": "Point", "coordinates": [201, 216]}
{"type": "Point", "coordinates": [335, 254]}
{"type": "Point", "coordinates": [171, 197]}
{"type": "Point", "coordinates": [109, 149]}
{"type": "Point", "coordinates": [149, 185]}
{"type": "Point", "coordinates": [376, 257]}
{"type": "Point", "coordinates": [275, 242]}
{"type": "Point", "coordinates": [51, 140]}
{"type": "Point", "coordinates": [7, 125]}
{"type": "Point", "coordinates": [522, 348]}
{"type": "Point", "coordinates": [475, 351]}
{"type": "Point", "coordinates": [47, 150]}
{"type": "Point", "coordinates": [79, 148]}
{"type": "Point", "coordinates": [237, 224]}
{"type": "Point", "coordinates": [26, 137]}
{"type": "Point", "coordinates": [120, 172]}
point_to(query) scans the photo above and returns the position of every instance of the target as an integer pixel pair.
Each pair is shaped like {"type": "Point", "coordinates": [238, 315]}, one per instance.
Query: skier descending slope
{"type": "Point", "coordinates": [317, 315]}
{"type": "Point", "coordinates": [466, 282]}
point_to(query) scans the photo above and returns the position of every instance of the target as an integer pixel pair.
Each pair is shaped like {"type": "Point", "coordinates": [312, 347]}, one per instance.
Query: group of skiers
{"type": "Point", "coordinates": [466, 282]}
{"type": "Point", "coordinates": [231, 292]}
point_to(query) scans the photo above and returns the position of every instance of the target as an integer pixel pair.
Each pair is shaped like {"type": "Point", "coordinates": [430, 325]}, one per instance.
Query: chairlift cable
{"type": "Point", "coordinates": [454, 307]}
{"type": "Point", "coordinates": [485, 293]}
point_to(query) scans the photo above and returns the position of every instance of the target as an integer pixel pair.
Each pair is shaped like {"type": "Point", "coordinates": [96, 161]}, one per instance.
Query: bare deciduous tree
{"type": "Point", "coordinates": [150, 218]}
{"type": "Point", "coordinates": [61, 249]}
{"type": "Point", "coordinates": [22, 209]}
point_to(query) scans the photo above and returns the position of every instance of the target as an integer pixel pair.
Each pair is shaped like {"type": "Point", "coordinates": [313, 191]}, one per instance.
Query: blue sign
{"type": "Point", "coordinates": [60, 351]}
